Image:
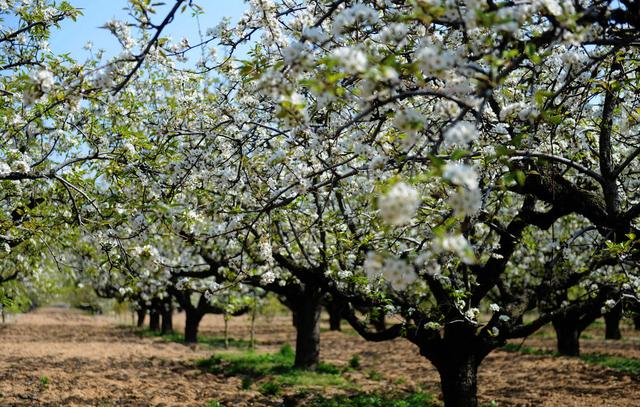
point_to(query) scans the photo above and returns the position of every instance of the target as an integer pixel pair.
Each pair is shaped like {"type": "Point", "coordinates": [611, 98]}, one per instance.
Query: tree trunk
{"type": "Point", "coordinates": [636, 322]}
{"type": "Point", "coordinates": [154, 320]}
{"type": "Point", "coordinates": [308, 310]}
{"type": "Point", "coordinates": [141, 313]}
{"type": "Point", "coordinates": [335, 316]}
{"type": "Point", "coordinates": [612, 323]}
{"type": "Point", "coordinates": [191, 325]}
{"type": "Point", "coordinates": [568, 337]}
{"type": "Point", "coordinates": [167, 319]}
{"type": "Point", "coordinates": [252, 338]}
{"type": "Point", "coordinates": [459, 380]}
{"type": "Point", "coordinates": [226, 331]}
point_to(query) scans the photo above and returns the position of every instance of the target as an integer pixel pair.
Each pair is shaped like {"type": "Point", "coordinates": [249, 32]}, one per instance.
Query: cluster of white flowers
{"type": "Point", "coordinates": [399, 205]}
{"type": "Point", "coordinates": [315, 34]}
{"type": "Point", "coordinates": [553, 6]}
{"type": "Point", "coordinates": [125, 290]}
{"type": "Point", "coordinates": [460, 134]}
{"type": "Point", "coordinates": [21, 166]}
{"type": "Point", "coordinates": [608, 306]}
{"type": "Point", "coordinates": [466, 202]}
{"type": "Point", "coordinates": [121, 30]}
{"type": "Point", "coordinates": [183, 283]}
{"type": "Point", "coordinates": [456, 244]}
{"type": "Point", "coordinates": [104, 78]}
{"type": "Point", "coordinates": [397, 272]}
{"type": "Point", "coordinates": [295, 53]}
{"type": "Point", "coordinates": [40, 83]}
{"type": "Point", "coordinates": [268, 276]}
{"type": "Point", "coordinates": [145, 251]}
{"type": "Point", "coordinates": [409, 121]}
{"type": "Point", "coordinates": [356, 14]}
{"type": "Point", "coordinates": [353, 60]}
{"type": "Point", "coordinates": [44, 79]}
{"type": "Point", "coordinates": [4, 169]}
{"type": "Point", "coordinates": [523, 111]}
{"type": "Point", "coordinates": [472, 314]}
{"type": "Point", "coordinates": [433, 61]}
{"type": "Point", "coordinates": [394, 33]}
{"type": "Point", "coordinates": [460, 174]}
{"type": "Point", "coordinates": [266, 251]}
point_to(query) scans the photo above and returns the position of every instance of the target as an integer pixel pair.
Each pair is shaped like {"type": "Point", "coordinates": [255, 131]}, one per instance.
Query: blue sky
{"type": "Point", "coordinates": [72, 36]}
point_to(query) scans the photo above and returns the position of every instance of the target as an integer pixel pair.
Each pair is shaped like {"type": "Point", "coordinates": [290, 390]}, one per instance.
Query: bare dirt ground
{"type": "Point", "coordinates": [58, 357]}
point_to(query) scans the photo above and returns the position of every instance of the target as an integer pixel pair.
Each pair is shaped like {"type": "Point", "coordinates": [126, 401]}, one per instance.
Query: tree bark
{"type": "Point", "coordinates": [167, 318]}
{"type": "Point", "coordinates": [154, 319]}
{"type": "Point", "coordinates": [612, 323]}
{"type": "Point", "coordinates": [308, 310]}
{"type": "Point", "coordinates": [226, 331]}
{"type": "Point", "coordinates": [252, 333]}
{"type": "Point", "coordinates": [636, 322]}
{"type": "Point", "coordinates": [141, 313]}
{"type": "Point", "coordinates": [459, 380]}
{"type": "Point", "coordinates": [335, 316]}
{"type": "Point", "coordinates": [568, 337]}
{"type": "Point", "coordinates": [191, 325]}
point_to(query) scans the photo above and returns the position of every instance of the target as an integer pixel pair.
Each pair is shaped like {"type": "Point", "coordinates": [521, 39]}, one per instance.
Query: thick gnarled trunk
{"type": "Point", "coordinates": [307, 312]}
{"type": "Point", "coordinates": [154, 320]}
{"type": "Point", "coordinates": [141, 313]}
{"type": "Point", "coordinates": [335, 316]}
{"type": "Point", "coordinates": [567, 337]}
{"type": "Point", "coordinates": [459, 381]}
{"type": "Point", "coordinates": [191, 325]}
{"type": "Point", "coordinates": [612, 323]}
{"type": "Point", "coordinates": [457, 354]}
{"type": "Point", "coordinates": [167, 319]}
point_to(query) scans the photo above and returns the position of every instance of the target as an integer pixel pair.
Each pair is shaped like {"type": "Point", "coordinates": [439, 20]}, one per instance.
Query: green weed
{"type": "Point", "coordinates": [418, 399]}
{"type": "Point", "coordinates": [278, 367]}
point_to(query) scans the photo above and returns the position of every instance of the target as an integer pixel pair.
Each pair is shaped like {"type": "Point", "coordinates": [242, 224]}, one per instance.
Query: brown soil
{"type": "Point", "coordinates": [94, 361]}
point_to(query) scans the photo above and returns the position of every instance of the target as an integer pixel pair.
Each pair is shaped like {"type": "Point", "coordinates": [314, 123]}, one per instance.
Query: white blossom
{"type": "Point", "coordinates": [460, 134]}
{"type": "Point", "coordinates": [460, 174]}
{"type": "Point", "coordinates": [353, 60]}
{"type": "Point", "coordinates": [399, 205]}
{"type": "Point", "coordinates": [466, 202]}
{"type": "Point", "coordinates": [4, 169]}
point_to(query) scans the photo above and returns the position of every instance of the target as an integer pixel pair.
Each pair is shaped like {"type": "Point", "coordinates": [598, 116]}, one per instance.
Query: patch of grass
{"type": "Point", "coordinates": [327, 368]}
{"type": "Point", "coordinates": [270, 389]}
{"type": "Point", "coordinates": [377, 400]}
{"type": "Point", "coordinates": [214, 403]}
{"type": "Point", "coordinates": [544, 334]}
{"type": "Point", "coordinates": [278, 367]}
{"type": "Point", "coordinates": [512, 347]}
{"type": "Point", "coordinates": [212, 341]}
{"type": "Point", "coordinates": [374, 375]}
{"type": "Point", "coordinates": [624, 365]}
{"type": "Point", "coordinates": [354, 362]}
